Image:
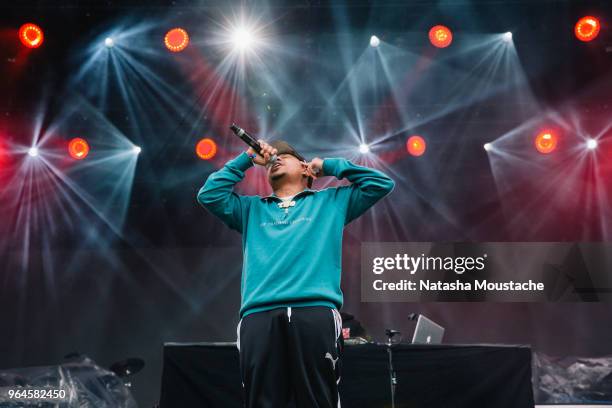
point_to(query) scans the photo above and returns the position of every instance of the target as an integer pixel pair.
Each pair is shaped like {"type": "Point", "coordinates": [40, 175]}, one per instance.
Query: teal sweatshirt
{"type": "Point", "coordinates": [292, 257]}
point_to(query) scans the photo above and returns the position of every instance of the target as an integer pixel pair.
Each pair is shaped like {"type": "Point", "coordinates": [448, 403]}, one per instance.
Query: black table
{"type": "Point", "coordinates": [428, 376]}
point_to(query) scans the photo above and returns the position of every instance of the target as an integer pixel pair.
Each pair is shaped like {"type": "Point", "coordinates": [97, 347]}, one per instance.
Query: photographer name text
{"type": "Point", "coordinates": [413, 265]}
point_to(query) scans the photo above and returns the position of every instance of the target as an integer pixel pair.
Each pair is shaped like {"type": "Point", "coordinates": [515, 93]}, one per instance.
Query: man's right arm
{"type": "Point", "coordinates": [218, 196]}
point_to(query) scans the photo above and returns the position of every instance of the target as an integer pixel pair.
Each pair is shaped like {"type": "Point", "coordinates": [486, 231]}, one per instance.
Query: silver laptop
{"type": "Point", "coordinates": [427, 332]}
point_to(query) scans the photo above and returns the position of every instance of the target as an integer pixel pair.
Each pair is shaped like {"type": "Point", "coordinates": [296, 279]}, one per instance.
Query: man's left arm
{"type": "Point", "coordinates": [368, 185]}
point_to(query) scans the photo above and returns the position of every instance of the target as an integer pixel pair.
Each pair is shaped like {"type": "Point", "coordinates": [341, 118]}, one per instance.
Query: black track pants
{"type": "Point", "coordinates": [291, 353]}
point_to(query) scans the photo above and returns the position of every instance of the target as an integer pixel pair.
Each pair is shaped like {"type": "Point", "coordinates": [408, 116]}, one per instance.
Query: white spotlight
{"type": "Point", "coordinates": [374, 41]}
{"type": "Point", "coordinates": [109, 42]}
{"type": "Point", "coordinates": [33, 151]}
{"type": "Point", "coordinates": [242, 38]}
{"type": "Point", "coordinates": [488, 147]}
{"type": "Point", "coordinates": [364, 148]}
{"type": "Point", "coordinates": [136, 150]}
{"type": "Point", "coordinates": [591, 144]}
{"type": "Point", "coordinates": [507, 36]}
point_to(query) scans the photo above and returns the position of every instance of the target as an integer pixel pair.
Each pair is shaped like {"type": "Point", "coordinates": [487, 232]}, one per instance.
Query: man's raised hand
{"type": "Point", "coordinates": [267, 151]}
{"type": "Point", "coordinates": [315, 168]}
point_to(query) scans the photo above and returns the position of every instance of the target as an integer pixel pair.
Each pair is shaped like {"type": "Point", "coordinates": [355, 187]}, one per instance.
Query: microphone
{"type": "Point", "coordinates": [248, 139]}
{"type": "Point", "coordinates": [390, 332]}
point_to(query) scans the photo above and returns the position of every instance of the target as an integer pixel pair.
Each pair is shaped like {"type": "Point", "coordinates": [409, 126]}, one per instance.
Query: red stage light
{"type": "Point", "coordinates": [31, 35]}
{"type": "Point", "coordinates": [440, 36]}
{"type": "Point", "coordinates": [416, 145]}
{"type": "Point", "coordinates": [176, 39]}
{"type": "Point", "coordinates": [3, 153]}
{"type": "Point", "coordinates": [587, 28]}
{"type": "Point", "coordinates": [546, 141]}
{"type": "Point", "coordinates": [78, 148]}
{"type": "Point", "coordinates": [206, 149]}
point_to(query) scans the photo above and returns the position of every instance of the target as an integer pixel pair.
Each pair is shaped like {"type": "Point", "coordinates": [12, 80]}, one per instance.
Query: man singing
{"type": "Point", "coordinates": [289, 333]}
